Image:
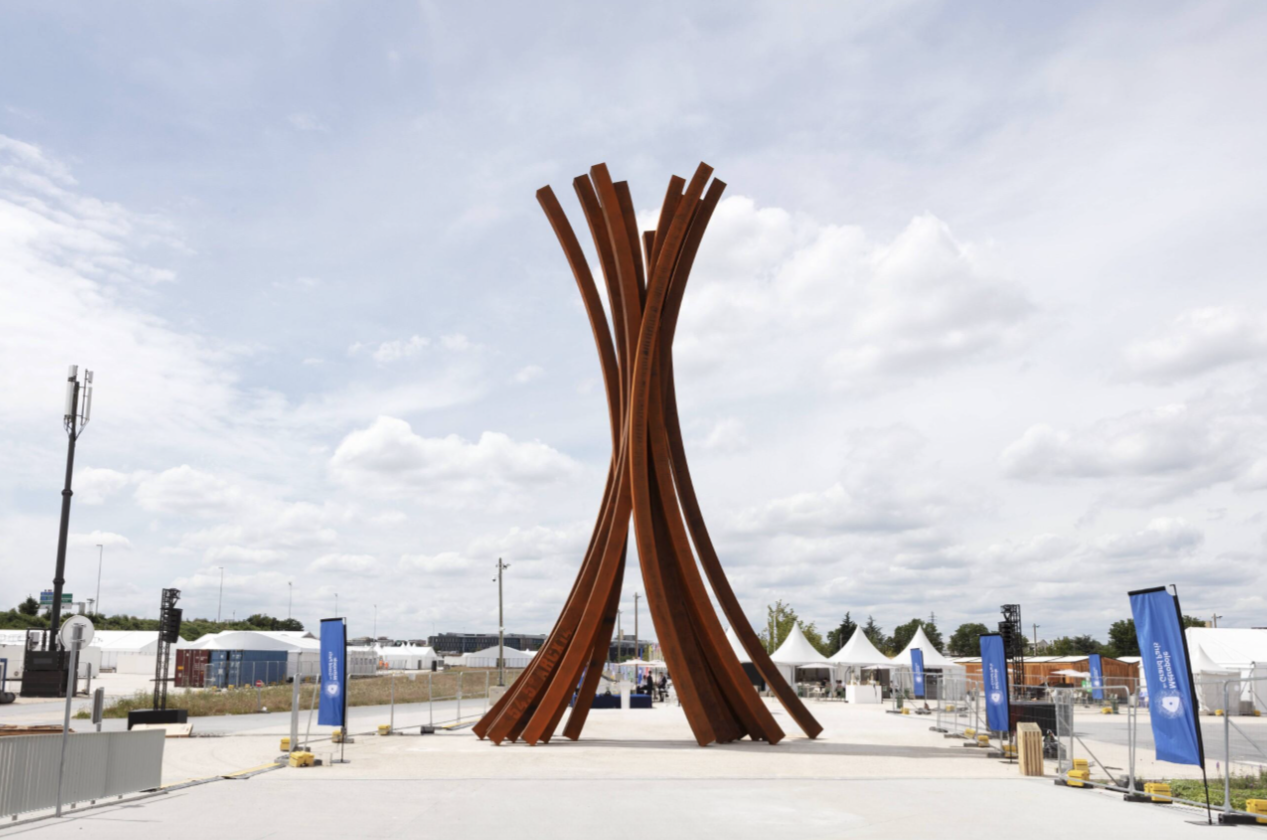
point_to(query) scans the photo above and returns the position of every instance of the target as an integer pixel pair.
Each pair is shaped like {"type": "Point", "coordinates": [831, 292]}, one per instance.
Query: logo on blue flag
{"type": "Point", "coordinates": [994, 682]}
{"type": "Point", "coordinates": [1097, 677]}
{"type": "Point", "coordinates": [917, 671]}
{"type": "Point", "coordinates": [1164, 652]}
{"type": "Point", "coordinates": [334, 676]}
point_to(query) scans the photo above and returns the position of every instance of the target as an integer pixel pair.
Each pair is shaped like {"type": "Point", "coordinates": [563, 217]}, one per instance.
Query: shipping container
{"type": "Point", "coordinates": [252, 667]}
{"type": "Point", "coordinates": [191, 668]}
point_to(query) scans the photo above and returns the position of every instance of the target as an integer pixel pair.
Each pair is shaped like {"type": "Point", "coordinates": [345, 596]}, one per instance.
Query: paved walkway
{"type": "Point", "coordinates": [870, 775]}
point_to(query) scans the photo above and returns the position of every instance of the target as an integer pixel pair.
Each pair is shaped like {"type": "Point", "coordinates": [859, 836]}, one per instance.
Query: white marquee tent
{"type": "Point", "coordinates": [487, 658]}
{"type": "Point", "coordinates": [953, 684]}
{"type": "Point", "coordinates": [733, 638]}
{"type": "Point", "coordinates": [797, 654]}
{"type": "Point", "coordinates": [858, 654]}
{"type": "Point", "coordinates": [131, 651]}
{"type": "Point", "coordinates": [1228, 653]}
{"type": "Point", "coordinates": [408, 658]}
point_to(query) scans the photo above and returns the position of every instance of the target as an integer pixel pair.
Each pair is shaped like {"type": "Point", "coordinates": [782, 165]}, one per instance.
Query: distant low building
{"type": "Point", "coordinates": [456, 644]}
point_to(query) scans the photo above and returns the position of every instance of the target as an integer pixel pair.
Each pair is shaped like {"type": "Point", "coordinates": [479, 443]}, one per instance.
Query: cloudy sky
{"type": "Point", "coordinates": [982, 318]}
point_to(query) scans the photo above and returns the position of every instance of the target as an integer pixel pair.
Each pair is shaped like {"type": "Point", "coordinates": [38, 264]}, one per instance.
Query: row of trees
{"type": "Point", "coordinates": [965, 641]}
{"type": "Point", "coordinates": [27, 616]}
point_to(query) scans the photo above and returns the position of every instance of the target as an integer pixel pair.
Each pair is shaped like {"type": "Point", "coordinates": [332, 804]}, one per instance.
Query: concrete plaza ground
{"type": "Point", "coordinates": [870, 775]}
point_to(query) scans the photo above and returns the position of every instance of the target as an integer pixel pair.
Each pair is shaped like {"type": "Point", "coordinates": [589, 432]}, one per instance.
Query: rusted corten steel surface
{"type": "Point", "coordinates": [644, 277]}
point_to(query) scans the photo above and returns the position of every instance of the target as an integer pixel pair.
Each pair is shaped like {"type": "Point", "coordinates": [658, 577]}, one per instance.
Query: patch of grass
{"type": "Point", "coordinates": [365, 691]}
{"type": "Point", "coordinates": [1242, 788]}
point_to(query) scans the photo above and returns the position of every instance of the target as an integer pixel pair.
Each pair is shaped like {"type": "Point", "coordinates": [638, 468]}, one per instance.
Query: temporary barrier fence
{"type": "Point", "coordinates": [1232, 749]}
{"type": "Point", "coordinates": [98, 764]}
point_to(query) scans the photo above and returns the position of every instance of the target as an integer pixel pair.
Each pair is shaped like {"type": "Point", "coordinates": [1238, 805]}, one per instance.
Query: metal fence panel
{"type": "Point", "coordinates": [98, 764]}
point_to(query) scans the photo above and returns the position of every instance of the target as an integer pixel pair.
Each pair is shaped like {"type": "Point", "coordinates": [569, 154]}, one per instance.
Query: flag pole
{"type": "Point", "coordinates": [1192, 689]}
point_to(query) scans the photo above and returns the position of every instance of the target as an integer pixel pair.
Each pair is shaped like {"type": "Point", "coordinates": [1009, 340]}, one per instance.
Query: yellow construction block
{"type": "Point", "coordinates": [1081, 764]}
{"type": "Point", "coordinates": [1009, 750]}
{"type": "Point", "coordinates": [1218, 713]}
{"type": "Point", "coordinates": [301, 758]}
{"type": "Point", "coordinates": [1159, 791]}
{"type": "Point", "coordinates": [970, 733]}
{"type": "Point", "coordinates": [983, 739]}
{"type": "Point", "coordinates": [337, 737]}
{"type": "Point", "coordinates": [384, 729]}
{"type": "Point", "coordinates": [906, 710]}
{"type": "Point", "coordinates": [1106, 710]}
{"type": "Point", "coordinates": [1257, 806]}
{"type": "Point", "coordinates": [286, 744]}
{"type": "Point", "coordinates": [1077, 778]}
{"type": "Point", "coordinates": [1258, 713]}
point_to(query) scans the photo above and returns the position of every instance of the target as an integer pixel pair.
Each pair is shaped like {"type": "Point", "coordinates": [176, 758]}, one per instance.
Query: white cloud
{"type": "Point", "coordinates": [306, 122]}
{"type": "Point", "coordinates": [389, 453]}
{"type": "Point", "coordinates": [1198, 341]}
{"type": "Point", "coordinates": [444, 563]}
{"type": "Point", "coordinates": [97, 538]}
{"type": "Point", "coordinates": [93, 486]}
{"type": "Point", "coordinates": [726, 435]}
{"type": "Point", "coordinates": [185, 491]}
{"type": "Point", "coordinates": [529, 373]}
{"type": "Point", "coordinates": [827, 304]}
{"type": "Point", "coordinates": [239, 554]}
{"type": "Point", "coordinates": [1157, 453]}
{"type": "Point", "coordinates": [393, 351]}
{"type": "Point", "coordinates": [343, 563]}
{"type": "Point", "coordinates": [456, 342]}
{"type": "Point", "coordinates": [1162, 537]}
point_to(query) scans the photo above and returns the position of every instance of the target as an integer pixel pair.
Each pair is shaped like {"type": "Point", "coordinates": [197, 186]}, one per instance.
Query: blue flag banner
{"type": "Point", "coordinates": [334, 678]}
{"type": "Point", "coordinates": [1097, 677]}
{"type": "Point", "coordinates": [994, 682]}
{"type": "Point", "coordinates": [917, 671]}
{"type": "Point", "coordinates": [1164, 664]}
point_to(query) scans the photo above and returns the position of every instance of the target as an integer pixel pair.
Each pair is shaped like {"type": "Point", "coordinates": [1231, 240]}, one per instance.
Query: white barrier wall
{"type": "Point", "coordinates": [98, 764]}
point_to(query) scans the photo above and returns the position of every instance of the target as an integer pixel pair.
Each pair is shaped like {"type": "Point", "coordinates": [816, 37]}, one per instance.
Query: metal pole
{"type": "Point", "coordinates": [59, 574]}
{"type": "Point", "coordinates": [376, 622]}
{"type": "Point", "coordinates": [294, 706]}
{"type": "Point", "coordinates": [486, 682]}
{"type": "Point", "coordinates": [70, 696]}
{"type": "Point", "coordinates": [1227, 750]}
{"type": "Point", "coordinates": [460, 675]}
{"type": "Point", "coordinates": [220, 602]}
{"type": "Point", "coordinates": [290, 598]}
{"type": "Point", "coordinates": [637, 653]}
{"type": "Point", "coordinates": [391, 724]}
{"type": "Point", "coordinates": [431, 715]}
{"type": "Point", "coordinates": [101, 553]}
{"type": "Point", "coordinates": [501, 626]}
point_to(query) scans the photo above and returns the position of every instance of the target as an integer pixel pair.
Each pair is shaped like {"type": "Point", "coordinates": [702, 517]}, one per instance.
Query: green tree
{"type": "Point", "coordinates": [1124, 642]}
{"type": "Point", "coordinates": [1075, 646]}
{"type": "Point", "coordinates": [875, 633]}
{"type": "Point", "coordinates": [966, 640]}
{"type": "Point", "coordinates": [903, 633]}
{"type": "Point", "coordinates": [782, 617]}
{"type": "Point", "coordinates": [838, 638]}
{"type": "Point", "coordinates": [29, 607]}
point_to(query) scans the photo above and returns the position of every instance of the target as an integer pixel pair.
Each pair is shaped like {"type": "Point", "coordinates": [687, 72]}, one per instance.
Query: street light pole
{"type": "Point", "coordinates": [501, 625]}
{"type": "Point", "coordinates": [290, 597]}
{"type": "Point", "coordinates": [376, 622]}
{"type": "Point", "coordinates": [74, 418]}
{"type": "Point", "coordinates": [637, 653]}
{"type": "Point", "coordinates": [101, 553]}
{"type": "Point", "coordinates": [1036, 640]}
{"type": "Point", "coordinates": [220, 603]}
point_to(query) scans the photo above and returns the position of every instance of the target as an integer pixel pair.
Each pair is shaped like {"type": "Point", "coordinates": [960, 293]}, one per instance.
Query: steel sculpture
{"type": "Point", "coordinates": [647, 481]}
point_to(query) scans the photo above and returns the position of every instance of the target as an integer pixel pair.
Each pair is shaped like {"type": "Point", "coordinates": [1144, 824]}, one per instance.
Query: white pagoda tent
{"type": "Point", "coordinates": [952, 685]}
{"type": "Point", "coordinates": [796, 654]}
{"type": "Point", "coordinates": [858, 654]}
{"type": "Point", "coordinates": [1226, 653]}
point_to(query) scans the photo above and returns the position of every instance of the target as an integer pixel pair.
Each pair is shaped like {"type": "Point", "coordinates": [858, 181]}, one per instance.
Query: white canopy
{"type": "Point", "coordinates": [859, 651]}
{"type": "Point", "coordinates": [1234, 648]}
{"type": "Point", "coordinates": [288, 640]}
{"type": "Point", "coordinates": [796, 650]}
{"type": "Point", "coordinates": [932, 659]}
{"type": "Point", "coordinates": [487, 658]}
{"type": "Point", "coordinates": [130, 641]}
